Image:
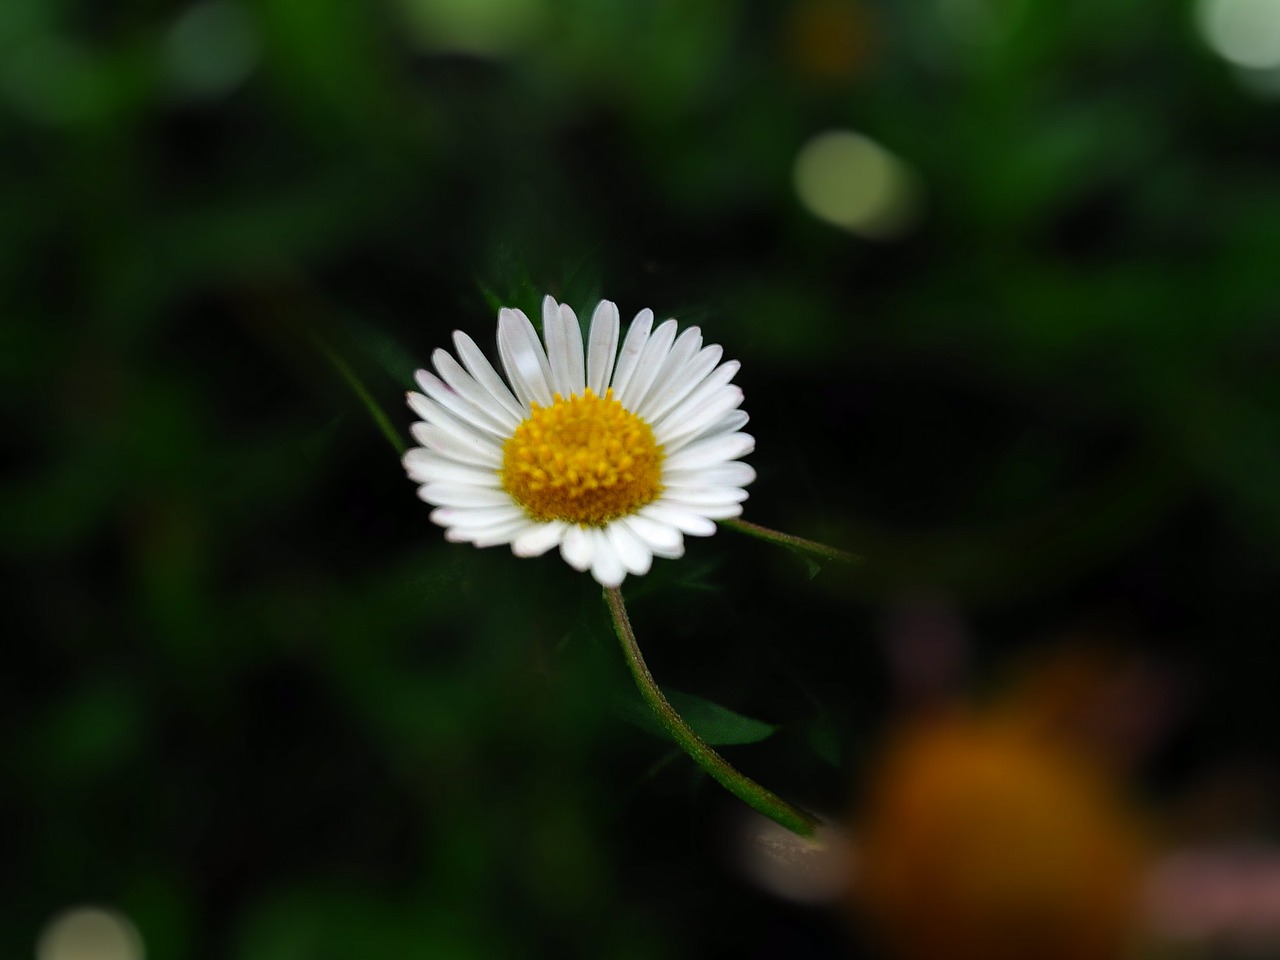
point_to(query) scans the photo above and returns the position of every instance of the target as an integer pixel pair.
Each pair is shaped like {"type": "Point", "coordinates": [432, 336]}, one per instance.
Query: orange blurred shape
{"type": "Point", "coordinates": [988, 838]}
{"type": "Point", "coordinates": [828, 41]}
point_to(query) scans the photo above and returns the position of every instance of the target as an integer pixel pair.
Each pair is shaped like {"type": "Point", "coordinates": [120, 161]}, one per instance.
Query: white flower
{"type": "Point", "coordinates": [612, 454]}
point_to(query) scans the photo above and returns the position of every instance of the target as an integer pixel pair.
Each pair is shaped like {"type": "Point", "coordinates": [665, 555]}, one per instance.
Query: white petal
{"type": "Point", "coordinates": [712, 511]}
{"type": "Point", "coordinates": [424, 466]}
{"type": "Point", "coordinates": [606, 565]}
{"type": "Point", "coordinates": [538, 539]}
{"type": "Point", "coordinates": [604, 346]}
{"type": "Point", "coordinates": [673, 370]}
{"type": "Point", "coordinates": [463, 495]}
{"type": "Point", "coordinates": [682, 518]}
{"type": "Point", "coordinates": [713, 382]}
{"type": "Point", "coordinates": [698, 496]}
{"type": "Point", "coordinates": [660, 403]}
{"type": "Point", "coordinates": [634, 553]}
{"type": "Point", "coordinates": [438, 416]}
{"type": "Point", "coordinates": [650, 365]}
{"type": "Point", "coordinates": [711, 387]}
{"type": "Point", "coordinates": [432, 412]}
{"type": "Point", "coordinates": [416, 402]}
{"type": "Point", "coordinates": [573, 336]}
{"type": "Point", "coordinates": [439, 392]}
{"type": "Point", "coordinates": [551, 337]}
{"type": "Point", "coordinates": [465, 449]}
{"type": "Point", "coordinates": [475, 518]}
{"type": "Point", "coordinates": [560, 337]}
{"type": "Point", "coordinates": [730, 424]}
{"type": "Point", "coordinates": [478, 366]}
{"type": "Point", "coordinates": [523, 357]}
{"type": "Point", "coordinates": [506, 534]}
{"type": "Point", "coordinates": [699, 421]}
{"type": "Point", "coordinates": [662, 539]}
{"type": "Point", "coordinates": [735, 473]}
{"type": "Point", "coordinates": [577, 547]}
{"type": "Point", "coordinates": [710, 451]}
{"type": "Point", "coordinates": [465, 386]}
{"type": "Point", "coordinates": [488, 534]}
{"type": "Point", "coordinates": [632, 347]}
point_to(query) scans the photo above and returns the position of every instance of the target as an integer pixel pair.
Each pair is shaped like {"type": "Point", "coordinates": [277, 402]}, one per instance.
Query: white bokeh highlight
{"type": "Point", "coordinates": [848, 180]}
{"type": "Point", "coordinates": [90, 933]}
{"type": "Point", "coordinates": [1245, 33]}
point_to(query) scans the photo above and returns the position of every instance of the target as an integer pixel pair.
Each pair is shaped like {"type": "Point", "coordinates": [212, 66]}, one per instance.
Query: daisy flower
{"type": "Point", "coordinates": [611, 452]}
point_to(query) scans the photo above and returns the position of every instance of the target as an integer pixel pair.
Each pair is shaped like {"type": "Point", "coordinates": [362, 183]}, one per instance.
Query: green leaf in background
{"type": "Point", "coordinates": [716, 724]}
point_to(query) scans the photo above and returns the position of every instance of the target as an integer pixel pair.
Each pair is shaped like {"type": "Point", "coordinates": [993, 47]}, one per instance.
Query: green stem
{"type": "Point", "coordinates": [794, 543]}
{"type": "Point", "coordinates": [737, 783]}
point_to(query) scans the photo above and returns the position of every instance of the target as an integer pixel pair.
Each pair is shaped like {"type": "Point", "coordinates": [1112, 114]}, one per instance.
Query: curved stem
{"type": "Point", "coordinates": [737, 783]}
{"type": "Point", "coordinates": [795, 543]}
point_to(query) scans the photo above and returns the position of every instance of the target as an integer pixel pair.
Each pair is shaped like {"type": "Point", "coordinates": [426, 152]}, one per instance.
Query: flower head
{"type": "Point", "coordinates": [611, 452]}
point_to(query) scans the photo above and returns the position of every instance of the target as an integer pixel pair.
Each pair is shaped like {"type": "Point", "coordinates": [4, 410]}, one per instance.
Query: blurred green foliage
{"type": "Point", "coordinates": [258, 704]}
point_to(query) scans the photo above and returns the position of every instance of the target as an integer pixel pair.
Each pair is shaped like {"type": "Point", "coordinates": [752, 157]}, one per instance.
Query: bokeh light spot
{"type": "Point", "coordinates": [90, 933]}
{"type": "Point", "coordinates": [481, 27]}
{"type": "Point", "coordinates": [849, 180]}
{"type": "Point", "coordinates": [1026, 842]}
{"type": "Point", "coordinates": [1245, 32]}
{"type": "Point", "coordinates": [212, 48]}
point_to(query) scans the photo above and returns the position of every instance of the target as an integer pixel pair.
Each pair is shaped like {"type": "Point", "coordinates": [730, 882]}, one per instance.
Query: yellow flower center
{"type": "Point", "coordinates": [585, 459]}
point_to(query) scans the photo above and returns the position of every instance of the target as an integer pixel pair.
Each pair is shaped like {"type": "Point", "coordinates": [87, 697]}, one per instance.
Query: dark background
{"type": "Point", "coordinates": [255, 702]}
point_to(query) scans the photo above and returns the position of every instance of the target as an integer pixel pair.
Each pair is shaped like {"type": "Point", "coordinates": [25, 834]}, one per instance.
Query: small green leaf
{"type": "Point", "coordinates": [716, 724]}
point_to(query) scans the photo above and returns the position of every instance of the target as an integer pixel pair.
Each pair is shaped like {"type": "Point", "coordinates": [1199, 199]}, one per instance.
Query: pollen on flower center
{"type": "Point", "coordinates": [584, 459]}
